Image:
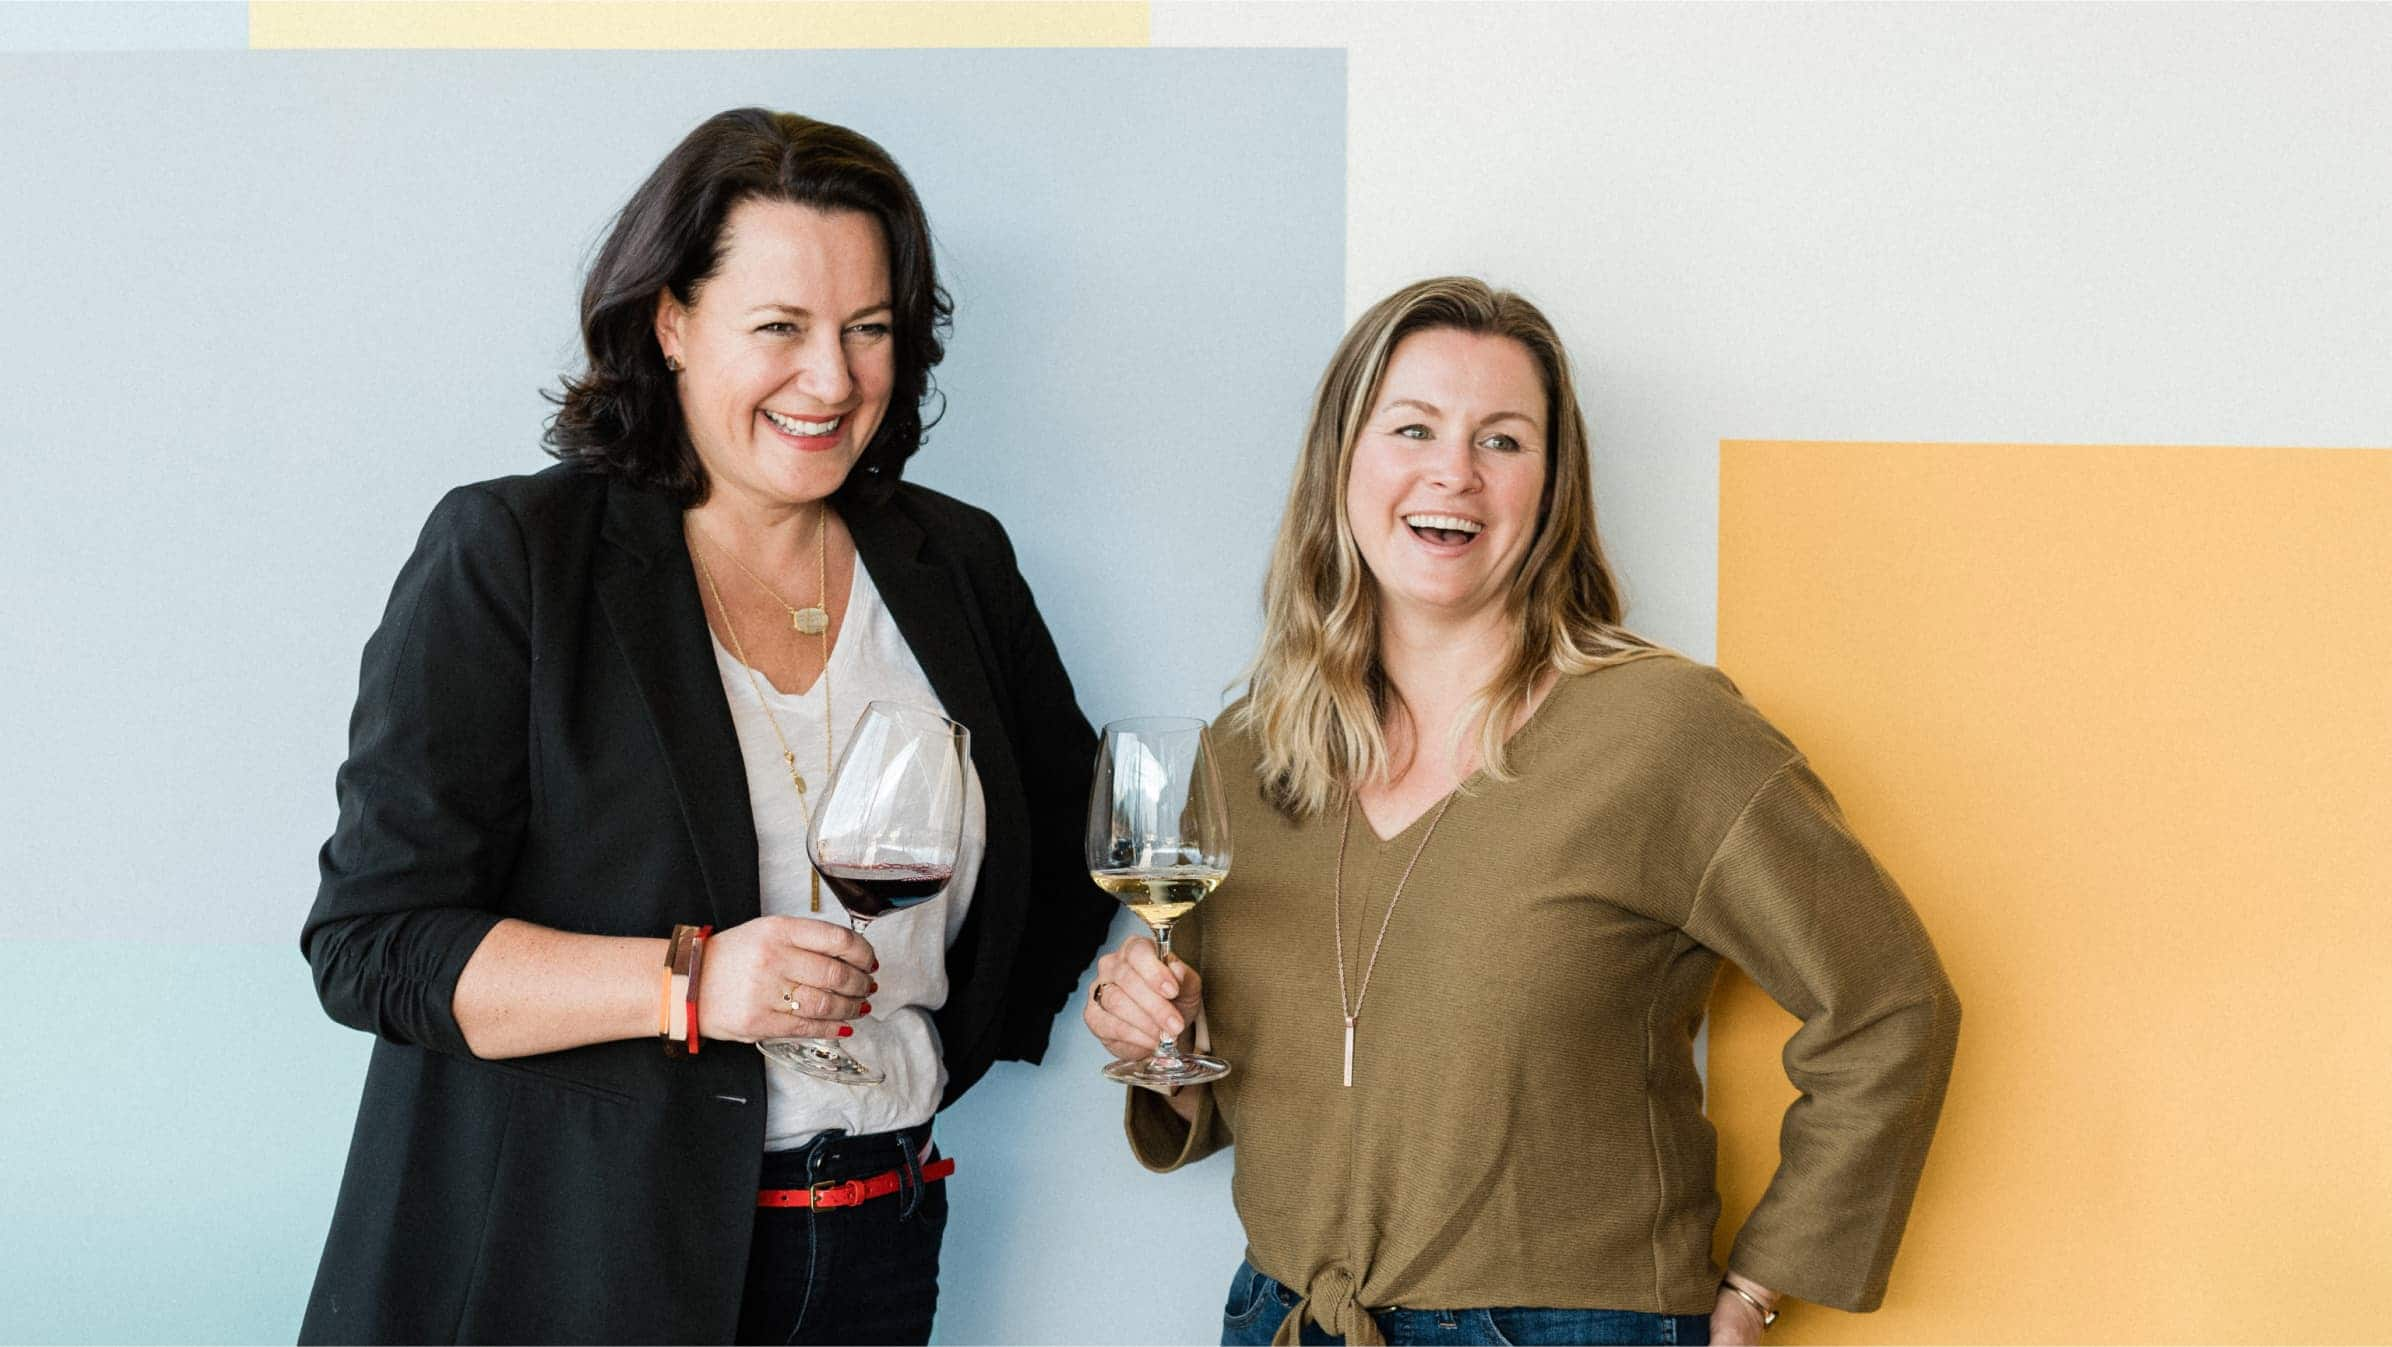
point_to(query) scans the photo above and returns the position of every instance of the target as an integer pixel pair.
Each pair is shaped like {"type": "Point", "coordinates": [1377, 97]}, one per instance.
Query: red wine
{"type": "Point", "coordinates": [871, 890]}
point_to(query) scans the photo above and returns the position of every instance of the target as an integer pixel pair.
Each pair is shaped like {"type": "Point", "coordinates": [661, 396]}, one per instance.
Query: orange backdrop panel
{"type": "Point", "coordinates": [2120, 720]}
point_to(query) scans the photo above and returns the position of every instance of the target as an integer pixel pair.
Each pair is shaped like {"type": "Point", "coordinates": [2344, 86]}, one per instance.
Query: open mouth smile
{"type": "Point", "coordinates": [806, 430]}
{"type": "Point", "coordinates": [1449, 530]}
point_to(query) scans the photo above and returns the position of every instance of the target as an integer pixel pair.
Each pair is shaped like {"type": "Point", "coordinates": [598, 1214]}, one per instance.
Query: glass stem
{"type": "Point", "coordinates": [1166, 1053]}
{"type": "Point", "coordinates": [857, 925]}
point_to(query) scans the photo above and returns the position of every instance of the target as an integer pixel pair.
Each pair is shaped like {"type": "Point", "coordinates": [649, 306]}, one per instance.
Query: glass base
{"type": "Point", "coordinates": [1168, 1073]}
{"type": "Point", "coordinates": [818, 1058]}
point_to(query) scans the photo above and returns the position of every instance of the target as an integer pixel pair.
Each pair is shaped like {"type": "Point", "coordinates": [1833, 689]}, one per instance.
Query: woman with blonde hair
{"type": "Point", "coordinates": [1492, 849]}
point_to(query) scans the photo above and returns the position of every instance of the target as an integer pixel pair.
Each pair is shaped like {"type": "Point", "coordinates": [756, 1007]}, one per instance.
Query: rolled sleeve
{"type": "Point", "coordinates": [1162, 1140]}
{"type": "Point", "coordinates": [1794, 899]}
{"type": "Point", "coordinates": [1068, 914]}
{"type": "Point", "coordinates": [434, 793]}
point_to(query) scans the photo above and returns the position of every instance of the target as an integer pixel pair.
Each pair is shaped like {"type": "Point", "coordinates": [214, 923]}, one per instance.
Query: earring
{"type": "Point", "coordinates": [674, 364]}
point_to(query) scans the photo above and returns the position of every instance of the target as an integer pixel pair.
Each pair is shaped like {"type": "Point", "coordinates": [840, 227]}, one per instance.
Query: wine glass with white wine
{"type": "Point", "coordinates": [1158, 840]}
{"type": "Point", "coordinates": [884, 838]}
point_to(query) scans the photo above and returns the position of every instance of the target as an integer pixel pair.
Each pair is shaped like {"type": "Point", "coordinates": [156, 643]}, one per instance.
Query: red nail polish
{"type": "Point", "coordinates": [875, 967]}
{"type": "Point", "coordinates": [873, 988]}
{"type": "Point", "coordinates": [865, 1009]}
{"type": "Point", "coordinates": [846, 1031]}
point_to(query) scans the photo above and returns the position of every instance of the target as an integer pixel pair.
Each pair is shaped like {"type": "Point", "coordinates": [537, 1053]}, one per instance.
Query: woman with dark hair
{"type": "Point", "coordinates": [570, 870]}
{"type": "Point", "coordinates": [1492, 848]}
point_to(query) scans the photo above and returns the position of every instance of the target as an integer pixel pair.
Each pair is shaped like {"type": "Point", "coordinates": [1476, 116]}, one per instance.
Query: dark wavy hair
{"type": "Point", "coordinates": [622, 416]}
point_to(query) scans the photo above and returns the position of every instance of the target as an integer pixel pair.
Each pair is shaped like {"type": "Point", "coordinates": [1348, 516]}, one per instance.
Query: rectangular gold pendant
{"type": "Point", "coordinates": [1349, 1052]}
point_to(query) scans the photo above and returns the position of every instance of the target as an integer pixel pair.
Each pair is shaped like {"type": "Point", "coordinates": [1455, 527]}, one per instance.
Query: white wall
{"type": "Point", "coordinates": [2153, 224]}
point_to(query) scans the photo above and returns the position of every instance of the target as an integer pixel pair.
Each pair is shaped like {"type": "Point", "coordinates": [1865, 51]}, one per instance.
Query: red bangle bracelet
{"type": "Point", "coordinates": [697, 959]}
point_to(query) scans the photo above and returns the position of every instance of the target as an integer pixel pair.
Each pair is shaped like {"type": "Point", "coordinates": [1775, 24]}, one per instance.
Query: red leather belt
{"type": "Point", "coordinates": [853, 1191]}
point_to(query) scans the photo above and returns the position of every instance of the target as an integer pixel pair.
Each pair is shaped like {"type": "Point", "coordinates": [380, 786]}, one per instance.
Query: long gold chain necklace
{"type": "Point", "coordinates": [821, 628]}
{"type": "Point", "coordinates": [811, 621]}
{"type": "Point", "coordinates": [1353, 1012]}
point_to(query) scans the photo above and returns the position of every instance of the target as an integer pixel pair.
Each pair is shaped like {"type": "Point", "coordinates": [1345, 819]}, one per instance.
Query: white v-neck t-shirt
{"type": "Point", "coordinates": [871, 662]}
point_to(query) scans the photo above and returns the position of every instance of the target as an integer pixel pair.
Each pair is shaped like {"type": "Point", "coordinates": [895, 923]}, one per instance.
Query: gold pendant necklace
{"type": "Point", "coordinates": [799, 618]}
{"type": "Point", "coordinates": [809, 621]}
{"type": "Point", "coordinates": [1353, 1012]}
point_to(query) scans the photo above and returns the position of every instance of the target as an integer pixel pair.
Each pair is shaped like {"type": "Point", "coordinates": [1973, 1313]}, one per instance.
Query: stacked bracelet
{"type": "Point", "coordinates": [697, 961]}
{"type": "Point", "coordinates": [672, 1019]}
{"type": "Point", "coordinates": [677, 989]}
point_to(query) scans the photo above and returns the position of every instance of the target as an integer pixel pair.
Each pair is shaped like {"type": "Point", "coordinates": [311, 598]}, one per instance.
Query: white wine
{"type": "Point", "coordinates": [1158, 840]}
{"type": "Point", "coordinates": [1160, 894]}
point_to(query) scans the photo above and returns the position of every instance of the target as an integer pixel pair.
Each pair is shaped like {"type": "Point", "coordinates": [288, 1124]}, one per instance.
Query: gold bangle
{"type": "Point", "coordinates": [1768, 1315]}
{"type": "Point", "coordinates": [676, 990]}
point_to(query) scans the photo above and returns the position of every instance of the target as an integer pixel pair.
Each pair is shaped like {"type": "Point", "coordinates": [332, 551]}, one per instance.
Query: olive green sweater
{"type": "Point", "coordinates": [1525, 1125]}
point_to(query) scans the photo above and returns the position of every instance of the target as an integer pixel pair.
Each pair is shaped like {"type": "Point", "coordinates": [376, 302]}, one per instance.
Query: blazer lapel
{"type": "Point", "coordinates": [650, 594]}
{"type": "Point", "coordinates": [946, 635]}
{"type": "Point", "coordinates": [950, 639]}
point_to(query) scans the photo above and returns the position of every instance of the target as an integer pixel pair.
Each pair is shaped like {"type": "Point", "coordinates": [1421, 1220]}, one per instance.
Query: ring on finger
{"type": "Point", "coordinates": [789, 999]}
{"type": "Point", "coordinates": [1097, 994]}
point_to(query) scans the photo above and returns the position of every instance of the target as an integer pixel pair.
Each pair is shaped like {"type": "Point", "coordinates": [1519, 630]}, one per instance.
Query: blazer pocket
{"type": "Point", "coordinates": [524, 1071]}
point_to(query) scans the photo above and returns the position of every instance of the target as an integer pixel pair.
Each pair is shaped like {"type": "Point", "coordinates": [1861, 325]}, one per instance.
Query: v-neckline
{"type": "Point", "coordinates": [855, 582]}
{"type": "Point", "coordinates": [1519, 737]}
{"type": "Point", "coordinates": [1371, 830]}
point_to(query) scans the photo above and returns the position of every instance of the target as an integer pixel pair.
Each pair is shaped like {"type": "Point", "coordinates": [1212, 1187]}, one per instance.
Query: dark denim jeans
{"type": "Point", "coordinates": [862, 1274]}
{"type": "Point", "coordinates": [1257, 1304]}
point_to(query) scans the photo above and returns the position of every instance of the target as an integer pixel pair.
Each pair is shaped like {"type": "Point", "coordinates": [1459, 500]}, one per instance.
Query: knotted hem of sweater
{"type": "Point", "coordinates": [1330, 1302]}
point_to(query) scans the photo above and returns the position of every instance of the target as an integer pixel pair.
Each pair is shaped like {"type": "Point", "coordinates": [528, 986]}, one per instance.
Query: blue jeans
{"type": "Point", "coordinates": [1257, 1305]}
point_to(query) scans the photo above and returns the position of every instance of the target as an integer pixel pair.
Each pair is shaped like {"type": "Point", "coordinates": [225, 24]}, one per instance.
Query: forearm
{"type": "Point", "coordinates": [529, 989]}
{"type": "Point", "coordinates": [1792, 897]}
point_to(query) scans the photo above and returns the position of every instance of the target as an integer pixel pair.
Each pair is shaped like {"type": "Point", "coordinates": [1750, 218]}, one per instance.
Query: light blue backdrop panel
{"type": "Point", "coordinates": [271, 305]}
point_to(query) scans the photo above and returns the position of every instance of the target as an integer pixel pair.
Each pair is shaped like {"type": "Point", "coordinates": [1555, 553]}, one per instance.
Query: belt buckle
{"type": "Point", "coordinates": [851, 1192]}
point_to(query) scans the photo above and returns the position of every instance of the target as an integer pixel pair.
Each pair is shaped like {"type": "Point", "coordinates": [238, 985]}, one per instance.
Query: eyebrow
{"type": "Point", "coordinates": [1434, 410]}
{"type": "Point", "coordinates": [802, 312]}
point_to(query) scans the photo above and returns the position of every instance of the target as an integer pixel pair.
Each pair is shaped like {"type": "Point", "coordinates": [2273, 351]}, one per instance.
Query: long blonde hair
{"type": "Point", "coordinates": [1317, 697]}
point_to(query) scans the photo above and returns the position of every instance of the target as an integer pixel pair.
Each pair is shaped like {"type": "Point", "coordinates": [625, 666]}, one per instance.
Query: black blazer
{"type": "Point", "coordinates": [541, 732]}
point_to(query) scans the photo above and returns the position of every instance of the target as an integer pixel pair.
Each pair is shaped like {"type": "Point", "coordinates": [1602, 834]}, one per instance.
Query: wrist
{"type": "Point", "coordinates": [678, 982]}
{"type": "Point", "coordinates": [1744, 1291]}
{"type": "Point", "coordinates": [1748, 1286]}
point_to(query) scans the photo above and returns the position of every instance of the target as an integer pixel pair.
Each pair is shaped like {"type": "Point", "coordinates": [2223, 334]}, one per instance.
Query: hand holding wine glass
{"type": "Point", "coordinates": [1143, 1001]}
{"type": "Point", "coordinates": [772, 976]}
{"type": "Point", "coordinates": [1158, 839]}
{"type": "Point", "coordinates": [884, 838]}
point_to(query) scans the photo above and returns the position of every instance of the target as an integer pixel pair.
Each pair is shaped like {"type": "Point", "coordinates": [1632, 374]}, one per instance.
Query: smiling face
{"type": "Point", "coordinates": [1448, 474]}
{"type": "Point", "coordinates": [787, 351]}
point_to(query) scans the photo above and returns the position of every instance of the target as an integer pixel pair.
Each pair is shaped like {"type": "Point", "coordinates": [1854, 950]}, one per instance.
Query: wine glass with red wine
{"type": "Point", "coordinates": [884, 838]}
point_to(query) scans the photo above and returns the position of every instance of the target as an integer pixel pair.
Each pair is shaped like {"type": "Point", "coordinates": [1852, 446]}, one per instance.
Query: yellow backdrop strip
{"type": "Point", "coordinates": [694, 24]}
{"type": "Point", "coordinates": [2120, 720]}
